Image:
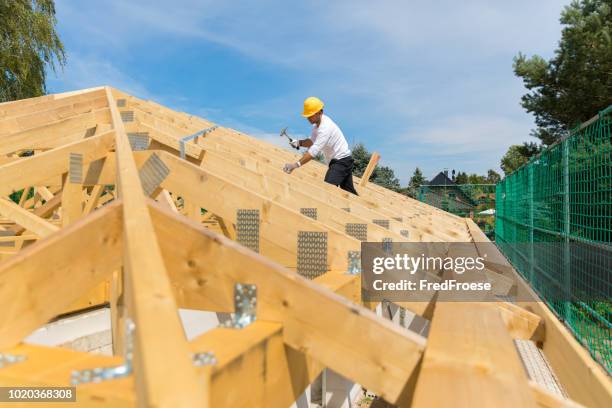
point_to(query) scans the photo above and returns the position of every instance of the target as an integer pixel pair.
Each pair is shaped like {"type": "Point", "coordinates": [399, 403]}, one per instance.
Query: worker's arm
{"type": "Point", "coordinates": [305, 143]}
{"type": "Point", "coordinates": [313, 150]}
{"type": "Point", "coordinates": [289, 167]}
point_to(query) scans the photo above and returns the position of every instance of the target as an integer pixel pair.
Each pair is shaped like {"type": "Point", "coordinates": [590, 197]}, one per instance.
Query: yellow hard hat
{"type": "Point", "coordinates": [312, 105]}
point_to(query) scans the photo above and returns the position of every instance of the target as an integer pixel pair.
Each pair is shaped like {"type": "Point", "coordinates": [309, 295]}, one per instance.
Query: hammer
{"type": "Point", "coordinates": [284, 133]}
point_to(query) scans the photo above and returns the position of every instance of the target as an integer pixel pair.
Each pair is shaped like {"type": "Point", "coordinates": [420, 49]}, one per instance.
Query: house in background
{"type": "Point", "coordinates": [476, 201]}
{"type": "Point", "coordinates": [444, 193]}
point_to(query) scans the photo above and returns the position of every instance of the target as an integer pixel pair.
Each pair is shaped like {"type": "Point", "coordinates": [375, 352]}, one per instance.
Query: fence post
{"type": "Point", "coordinates": [566, 278]}
{"type": "Point", "coordinates": [531, 240]}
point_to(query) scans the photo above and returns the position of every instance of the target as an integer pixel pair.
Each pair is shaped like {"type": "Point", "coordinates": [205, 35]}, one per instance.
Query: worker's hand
{"type": "Point", "coordinates": [295, 143]}
{"type": "Point", "coordinates": [289, 167]}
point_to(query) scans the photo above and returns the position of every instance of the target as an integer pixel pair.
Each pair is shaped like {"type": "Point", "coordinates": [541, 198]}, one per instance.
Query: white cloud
{"type": "Point", "coordinates": [435, 77]}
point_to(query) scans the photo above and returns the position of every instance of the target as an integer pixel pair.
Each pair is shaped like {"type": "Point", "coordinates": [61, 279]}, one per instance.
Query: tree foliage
{"type": "Point", "coordinates": [493, 177]}
{"type": "Point", "coordinates": [382, 175]}
{"type": "Point", "coordinates": [28, 44]}
{"type": "Point", "coordinates": [513, 159]}
{"type": "Point", "coordinates": [577, 82]}
{"type": "Point", "coordinates": [417, 179]}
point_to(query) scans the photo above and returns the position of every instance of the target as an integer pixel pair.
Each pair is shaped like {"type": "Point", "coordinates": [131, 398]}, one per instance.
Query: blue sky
{"type": "Point", "coordinates": [424, 83]}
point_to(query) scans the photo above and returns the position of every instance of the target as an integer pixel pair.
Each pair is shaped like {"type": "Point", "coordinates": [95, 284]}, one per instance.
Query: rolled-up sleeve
{"type": "Point", "coordinates": [321, 140]}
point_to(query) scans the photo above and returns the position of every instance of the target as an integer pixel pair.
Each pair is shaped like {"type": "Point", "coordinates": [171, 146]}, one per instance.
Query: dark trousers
{"type": "Point", "coordinates": [340, 173]}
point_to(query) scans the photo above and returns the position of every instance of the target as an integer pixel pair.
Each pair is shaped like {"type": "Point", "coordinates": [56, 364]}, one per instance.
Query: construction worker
{"type": "Point", "coordinates": [327, 138]}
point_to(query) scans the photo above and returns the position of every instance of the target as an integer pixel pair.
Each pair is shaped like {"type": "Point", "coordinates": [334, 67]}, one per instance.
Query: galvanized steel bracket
{"type": "Point", "coordinates": [354, 262]}
{"type": "Point", "coordinates": [204, 359]}
{"type": "Point", "coordinates": [245, 306]}
{"type": "Point", "coordinates": [99, 374]}
{"type": "Point", "coordinates": [7, 359]}
{"type": "Point", "coordinates": [191, 137]}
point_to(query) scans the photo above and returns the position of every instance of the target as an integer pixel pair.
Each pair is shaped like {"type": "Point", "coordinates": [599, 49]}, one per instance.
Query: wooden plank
{"type": "Point", "coordinates": [26, 219]}
{"type": "Point", "coordinates": [33, 283]}
{"type": "Point", "coordinates": [43, 136]}
{"type": "Point", "coordinates": [256, 359]}
{"type": "Point", "coordinates": [52, 367]}
{"type": "Point", "coordinates": [546, 399]}
{"type": "Point", "coordinates": [92, 202]}
{"type": "Point", "coordinates": [343, 336]}
{"type": "Point", "coordinates": [582, 377]}
{"type": "Point", "coordinates": [279, 225]}
{"type": "Point", "coordinates": [35, 170]}
{"type": "Point", "coordinates": [369, 169]}
{"type": "Point", "coordinates": [149, 296]}
{"type": "Point", "coordinates": [471, 357]}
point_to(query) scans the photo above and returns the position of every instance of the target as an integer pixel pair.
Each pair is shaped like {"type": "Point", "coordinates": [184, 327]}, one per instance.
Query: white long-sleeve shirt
{"type": "Point", "coordinates": [327, 138]}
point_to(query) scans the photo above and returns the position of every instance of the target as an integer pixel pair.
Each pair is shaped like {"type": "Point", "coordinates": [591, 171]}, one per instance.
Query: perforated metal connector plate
{"type": "Point", "coordinates": [152, 173]}
{"type": "Point", "coordinates": [354, 262]}
{"type": "Point", "coordinates": [121, 103]}
{"type": "Point", "coordinates": [405, 233]}
{"type": "Point", "coordinates": [245, 306]}
{"type": "Point", "coordinates": [382, 223]}
{"type": "Point", "coordinates": [357, 230]}
{"type": "Point", "coordinates": [127, 116]}
{"type": "Point", "coordinates": [139, 140]}
{"type": "Point", "coordinates": [311, 253]}
{"type": "Point", "coordinates": [309, 212]}
{"type": "Point", "coordinates": [99, 374]}
{"type": "Point", "coordinates": [76, 168]}
{"type": "Point", "coordinates": [387, 245]}
{"type": "Point", "coordinates": [247, 228]}
{"type": "Point", "coordinates": [537, 367]}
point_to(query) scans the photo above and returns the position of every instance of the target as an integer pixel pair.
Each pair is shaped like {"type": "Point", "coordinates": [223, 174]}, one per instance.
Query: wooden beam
{"type": "Point", "coordinates": [369, 169]}
{"type": "Point", "coordinates": [204, 267]}
{"type": "Point", "coordinates": [26, 219]}
{"type": "Point", "coordinates": [279, 225]}
{"type": "Point", "coordinates": [42, 280]}
{"type": "Point", "coordinates": [149, 296]}
{"type": "Point", "coordinates": [255, 358]}
{"type": "Point", "coordinates": [471, 357]}
{"type": "Point", "coordinates": [35, 170]}
{"type": "Point", "coordinates": [92, 201]}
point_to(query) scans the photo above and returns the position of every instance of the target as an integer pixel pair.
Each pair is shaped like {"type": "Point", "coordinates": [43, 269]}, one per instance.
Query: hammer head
{"type": "Point", "coordinates": [283, 132]}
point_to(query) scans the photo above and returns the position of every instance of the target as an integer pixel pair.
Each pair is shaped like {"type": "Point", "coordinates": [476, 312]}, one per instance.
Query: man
{"type": "Point", "coordinates": [326, 138]}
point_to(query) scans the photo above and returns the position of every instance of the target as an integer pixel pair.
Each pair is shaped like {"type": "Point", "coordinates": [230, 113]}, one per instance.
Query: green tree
{"type": "Point", "coordinates": [577, 82]}
{"type": "Point", "coordinates": [476, 179]}
{"type": "Point", "coordinates": [461, 178]}
{"type": "Point", "coordinates": [382, 175]}
{"type": "Point", "coordinates": [493, 177]}
{"type": "Point", "coordinates": [513, 159]}
{"type": "Point", "coordinates": [361, 158]}
{"type": "Point", "coordinates": [412, 189]}
{"type": "Point", "coordinates": [417, 179]}
{"type": "Point", "coordinates": [28, 44]}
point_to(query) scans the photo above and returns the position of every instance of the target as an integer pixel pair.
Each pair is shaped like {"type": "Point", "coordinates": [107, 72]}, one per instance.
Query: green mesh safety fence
{"type": "Point", "coordinates": [465, 200]}
{"type": "Point", "coordinates": [563, 199]}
